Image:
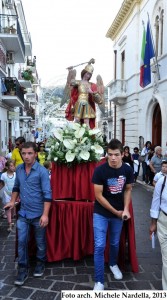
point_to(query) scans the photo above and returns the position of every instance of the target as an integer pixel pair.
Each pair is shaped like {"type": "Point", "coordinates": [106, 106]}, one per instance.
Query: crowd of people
{"type": "Point", "coordinates": [150, 159]}
{"type": "Point", "coordinates": [28, 170]}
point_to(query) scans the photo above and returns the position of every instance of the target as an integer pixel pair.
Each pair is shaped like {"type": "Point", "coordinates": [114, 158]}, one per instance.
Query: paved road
{"type": "Point", "coordinates": [78, 275]}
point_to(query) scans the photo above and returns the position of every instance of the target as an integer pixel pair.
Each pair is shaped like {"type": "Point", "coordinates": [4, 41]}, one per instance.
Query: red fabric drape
{"type": "Point", "coordinates": [74, 182]}
{"type": "Point", "coordinates": [70, 229]}
{"type": "Point", "coordinates": [70, 234]}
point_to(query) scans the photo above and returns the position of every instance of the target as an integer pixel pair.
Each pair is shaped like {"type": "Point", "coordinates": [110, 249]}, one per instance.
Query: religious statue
{"type": "Point", "coordinates": [83, 95]}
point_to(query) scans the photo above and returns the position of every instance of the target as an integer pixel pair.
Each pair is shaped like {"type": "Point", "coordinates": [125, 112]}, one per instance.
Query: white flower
{"type": "Point", "coordinates": [94, 131]}
{"type": "Point", "coordinates": [83, 140]}
{"type": "Point", "coordinates": [58, 135]}
{"type": "Point", "coordinates": [79, 132]}
{"type": "Point", "coordinates": [98, 149]}
{"type": "Point", "coordinates": [75, 143]}
{"type": "Point", "coordinates": [70, 156]}
{"type": "Point", "coordinates": [76, 126]}
{"type": "Point", "coordinates": [69, 144]}
{"type": "Point", "coordinates": [84, 155]}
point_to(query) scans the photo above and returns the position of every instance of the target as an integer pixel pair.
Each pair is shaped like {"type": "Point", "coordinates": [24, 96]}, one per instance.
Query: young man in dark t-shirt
{"type": "Point", "coordinates": [112, 185]}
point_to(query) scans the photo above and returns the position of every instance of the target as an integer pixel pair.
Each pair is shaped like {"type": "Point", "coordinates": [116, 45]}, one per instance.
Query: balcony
{"type": "Point", "coordinates": [13, 94]}
{"type": "Point", "coordinates": [11, 36]}
{"type": "Point", "coordinates": [31, 64]}
{"type": "Point", "coordinates": [2, 61]}
{"type": "Point", "coordinates": [117, 91]}
{"type": "Point", "coordinates": [30, 111]}
{"type": "Point", "coordinates": [32, 97]}
{"type": "Point", "coordinates": [25, 78]}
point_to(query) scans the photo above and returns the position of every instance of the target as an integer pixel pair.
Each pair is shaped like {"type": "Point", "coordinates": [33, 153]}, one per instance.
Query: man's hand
{"type": "Point", "coordinates": [44, 220]}
{"type": "Point", "coordinates": [9, 205]}
{"type": "Point", "coordinates": [126, 215]}
{"type": "Point", "coordinates": [153, 228]}
{"type": "Point", "coordinates": [119, 213]}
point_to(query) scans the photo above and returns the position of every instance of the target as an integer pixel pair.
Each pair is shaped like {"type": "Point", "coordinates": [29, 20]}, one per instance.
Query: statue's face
{"type": "Point", "coordinates": [87, 76]}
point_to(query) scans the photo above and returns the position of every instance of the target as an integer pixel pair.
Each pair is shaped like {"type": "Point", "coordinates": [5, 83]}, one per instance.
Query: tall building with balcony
{"type": "Point", "coordinates": [17, 94]}
{"type": "Point", "coordinates": [139, 114]}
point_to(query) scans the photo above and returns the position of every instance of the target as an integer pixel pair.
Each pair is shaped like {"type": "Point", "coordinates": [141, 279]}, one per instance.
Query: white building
{"type": "Point", "coordinates": [138, 114]}
{"type": "Point", "coordinates": [17, 109]}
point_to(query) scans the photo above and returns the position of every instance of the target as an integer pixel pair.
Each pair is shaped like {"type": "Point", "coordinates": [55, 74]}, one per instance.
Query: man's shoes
{"type": "Point", "coordinates": [116, 272]}
{"type": "Point", "coordinates": [21, 276]}
{"type": "Point", "coordinates": [39, 269]}
{"type": "Point", "coordinates": [98, 286]}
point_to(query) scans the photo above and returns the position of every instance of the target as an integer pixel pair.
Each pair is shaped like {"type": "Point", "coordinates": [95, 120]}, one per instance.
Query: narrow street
{"type": "Point", "coordinates": [78, 275]}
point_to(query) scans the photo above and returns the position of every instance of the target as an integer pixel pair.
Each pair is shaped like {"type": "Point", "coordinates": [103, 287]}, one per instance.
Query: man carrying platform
{"type": "Point", "coordinates": [112, 185]}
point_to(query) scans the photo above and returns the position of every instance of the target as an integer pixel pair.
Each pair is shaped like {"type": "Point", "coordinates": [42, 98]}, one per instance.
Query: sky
{"type": "Point", "coordinates": [69, 32]}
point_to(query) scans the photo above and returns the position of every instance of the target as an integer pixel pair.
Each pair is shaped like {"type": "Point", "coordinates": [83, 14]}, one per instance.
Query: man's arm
{"type": "Point", "coordinates": [98, 189]}
{"type": "Point", "coordinates": [47, 194]}
{"type": "Point", "coordinates": [153, 226]}
{"type": "Point", "coordinates": [151, 165]}
{"type": "Point", "coordinates": [44, 220]}
{"type": "Point", "coordinates": [127, 200]}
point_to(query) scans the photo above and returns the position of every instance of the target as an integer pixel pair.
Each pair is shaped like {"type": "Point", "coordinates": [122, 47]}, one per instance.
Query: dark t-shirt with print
{"type": "Point", "coordinates": [114, 182]}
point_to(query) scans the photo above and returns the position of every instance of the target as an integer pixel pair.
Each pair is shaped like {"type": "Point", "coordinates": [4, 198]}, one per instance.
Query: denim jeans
{"type": "Point", "coordinates": [23, 227]}
{"type": "Point", "coordinates": [100, 226]}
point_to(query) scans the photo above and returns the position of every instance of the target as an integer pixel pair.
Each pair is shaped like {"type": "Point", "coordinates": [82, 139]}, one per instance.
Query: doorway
{"type": "Point", "coordinates": [157, 126]}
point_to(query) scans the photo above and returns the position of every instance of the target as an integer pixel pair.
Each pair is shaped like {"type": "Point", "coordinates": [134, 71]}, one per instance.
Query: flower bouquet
{"type": "Point", "coordinates": [75, 144]}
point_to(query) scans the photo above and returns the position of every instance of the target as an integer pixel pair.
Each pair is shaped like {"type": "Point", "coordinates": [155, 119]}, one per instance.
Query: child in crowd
{"type": "Point", "coordinates": [9, 178]}
{"type": "Point", "coordinates": [160, 174]}
{"type": "Point", "coordinates": [48, 165]}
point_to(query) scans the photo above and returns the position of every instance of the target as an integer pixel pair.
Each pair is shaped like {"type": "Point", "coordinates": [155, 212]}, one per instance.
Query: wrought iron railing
{"type": "Point", "coordinates": [13, 88]}
{"type": "Point", "coordinates": [9, 24]}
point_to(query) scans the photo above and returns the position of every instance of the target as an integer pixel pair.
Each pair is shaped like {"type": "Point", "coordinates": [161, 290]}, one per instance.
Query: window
{"type": "Point", "coordinates": [123, 131]}
{"type": "Point", "coordinates": [156, 34]}
{"type": "Point", "coordinates": [159, 32]}
{"type": "Point", "coordinates": [162, 31]}
{"type": "Point", "coordinates": [115, 64]}
{"type": "Point", "coordinates": [123, 65]}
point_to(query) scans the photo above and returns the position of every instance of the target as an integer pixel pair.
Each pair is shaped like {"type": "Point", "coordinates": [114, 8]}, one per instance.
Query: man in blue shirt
{"type": "Point", "coordinates": [32, 185]}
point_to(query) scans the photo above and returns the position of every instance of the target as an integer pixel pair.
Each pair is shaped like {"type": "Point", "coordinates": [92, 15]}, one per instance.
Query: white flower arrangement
{"type": "Point", "coordinates": [74, 144]}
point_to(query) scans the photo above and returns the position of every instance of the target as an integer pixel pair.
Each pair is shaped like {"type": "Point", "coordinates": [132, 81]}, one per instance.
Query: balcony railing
{"type": "Point", "coordinates": [30, 111]}
{"type": "Point", "coordinates": [117, 91]}
{"type": "Point", "coordinates": [9, 25]}
{"type": "Point", "coordinates": [13, 88]}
